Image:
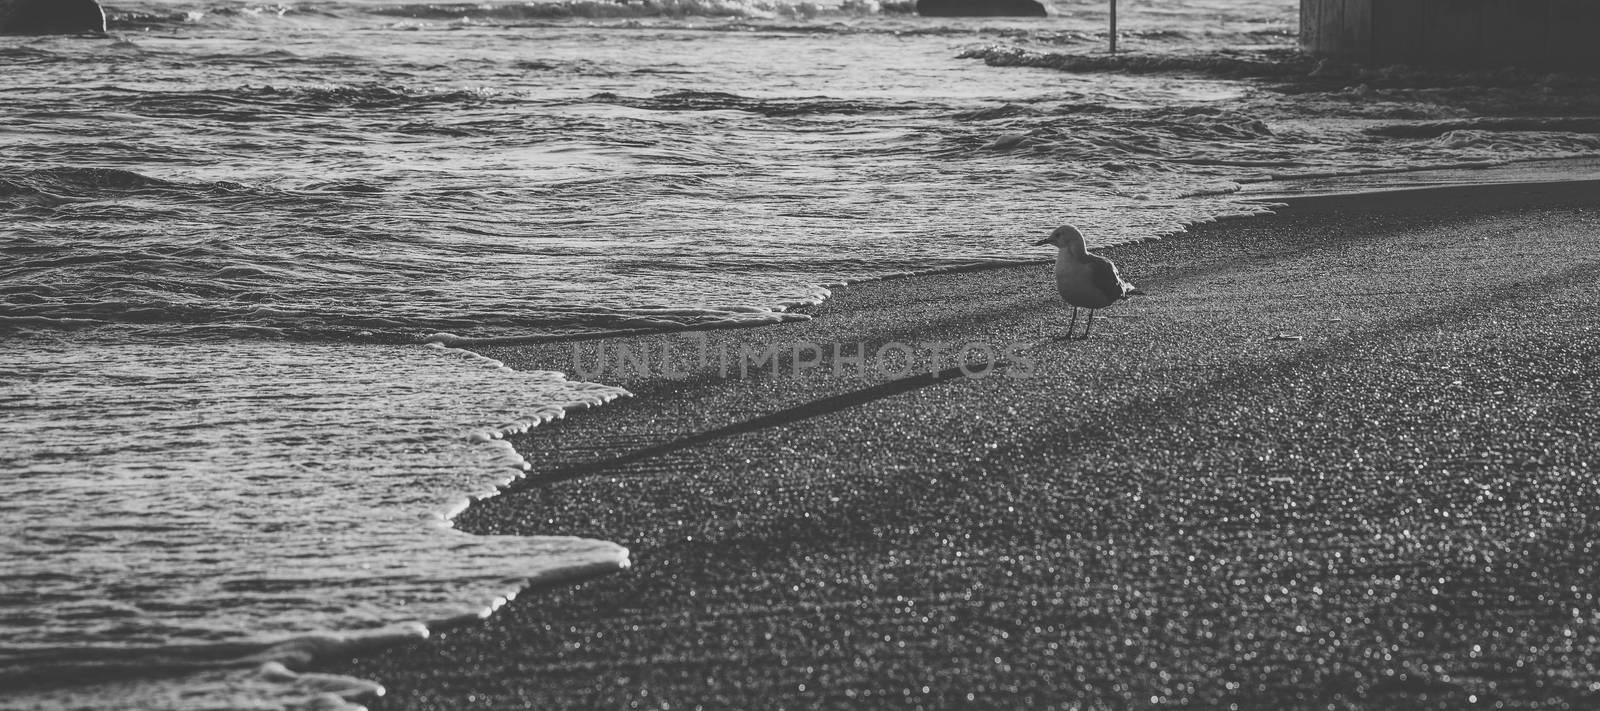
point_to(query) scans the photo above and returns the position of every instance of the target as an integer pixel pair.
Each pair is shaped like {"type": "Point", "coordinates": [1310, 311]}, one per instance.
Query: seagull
{"type": "Point", "coordinates": [1085, 280]}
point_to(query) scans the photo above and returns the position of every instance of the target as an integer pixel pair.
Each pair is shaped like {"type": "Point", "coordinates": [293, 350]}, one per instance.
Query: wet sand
{"type": "Point", "coordinates": [1341, 457]}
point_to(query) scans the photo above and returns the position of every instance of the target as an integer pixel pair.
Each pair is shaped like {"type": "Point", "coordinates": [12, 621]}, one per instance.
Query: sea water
{"type": "Point", "coordinates": [229, 228]}
{"type": "Point", "coordinates": [194, 503]}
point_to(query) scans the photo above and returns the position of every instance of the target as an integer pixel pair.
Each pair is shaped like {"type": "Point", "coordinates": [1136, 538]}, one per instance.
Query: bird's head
{"type": "Point", "coordinates": [1065, 236]}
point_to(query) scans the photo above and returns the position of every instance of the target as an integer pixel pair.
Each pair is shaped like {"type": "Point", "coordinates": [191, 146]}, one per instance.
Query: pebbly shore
{"type": "Point", "coordinates": [1340, 457]}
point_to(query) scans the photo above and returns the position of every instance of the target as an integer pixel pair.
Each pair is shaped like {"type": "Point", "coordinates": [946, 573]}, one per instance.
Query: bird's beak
{"type": "Point", "coordinates": [1042, 242]}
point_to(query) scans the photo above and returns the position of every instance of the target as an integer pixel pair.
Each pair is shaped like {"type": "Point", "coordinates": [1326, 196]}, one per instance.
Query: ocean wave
{"type": "Point", "coordinates": [124, 19]}
{"type": "Point", "coordinates": [1437, 129]}
{"type": "Point", "coordinates": [53, 187]}
{"type": "Point", "coordinates": [1264, 63]}
{"type": "Point", "coordinates": [366, 96]}
{"type": "Point", "coordinates": [71, 180]}
{"type": "Point", "coordinates": [83, 255]}
{"type": "Point", "coordinates": [238, 303]}
{"type": "Point", "coordinates": [67, 184]}
{"type": "Point", "coordinates": [1308, 116]}
{"type": "Point", "coordinates": [121, 20]}
{"type": "Point", "coordinates": [1280, 63]}
{"type": "Point", "coordinates": [1159, 135]}
{"type": "Point", "coordinates": [19, 55]}
{"type": "Point", "coordinates": [599, 9]}
{"type": "Point", "coordinates": [999, 112]}
{"type": "Point", "coordinates": [537, 324]}
{"type": "Point", "coordinates": [250, 107]}
{"type": "Point", "coordinates": [758, 11]}
{"type": "Point", "coordinates": [127, 575]}
{"type": "Point", "coordinates": [723, 101]}
{"type": "Point", "coordinates": [246, 103]}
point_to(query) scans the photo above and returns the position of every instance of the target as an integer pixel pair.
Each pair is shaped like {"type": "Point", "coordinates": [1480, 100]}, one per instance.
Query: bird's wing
{"type": "Point", "coordinates": [1106, 279]}
{"type": "Point", "coordinates": [1127, 286]}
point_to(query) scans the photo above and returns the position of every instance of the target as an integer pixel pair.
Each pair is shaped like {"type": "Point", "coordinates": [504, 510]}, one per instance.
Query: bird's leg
{"type": "Point", "coordinates": [1074, 325]}
{"type": "Point", "coordinates": [1088, 325]}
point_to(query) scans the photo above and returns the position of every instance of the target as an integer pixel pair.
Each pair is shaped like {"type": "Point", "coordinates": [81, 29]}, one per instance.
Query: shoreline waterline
{"type": "Point", "coordinates": [576, 454]}
{"type": "Point", "coordinates": [213, 575]}
{"type": "Point", "coordinates": [1259, 199]}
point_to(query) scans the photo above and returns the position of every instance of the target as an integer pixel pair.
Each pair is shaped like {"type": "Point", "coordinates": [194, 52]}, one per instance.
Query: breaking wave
{"type": "Point", "coordinates": [124, 19]}
{"type": "Point", "coordinates": [253, 506]}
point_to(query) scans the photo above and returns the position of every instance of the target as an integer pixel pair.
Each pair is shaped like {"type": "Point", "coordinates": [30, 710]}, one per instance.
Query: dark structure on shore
{"type": "Point", "coordinates": [50, 17]}
{"type": "Point", "coordinates": [1546, 34]}
{"type": "Point", "coordinates": [980, 8]}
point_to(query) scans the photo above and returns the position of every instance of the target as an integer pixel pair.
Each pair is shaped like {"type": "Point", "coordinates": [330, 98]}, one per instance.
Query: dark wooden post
{"type": "Point", "coordinates": [1113, 36]}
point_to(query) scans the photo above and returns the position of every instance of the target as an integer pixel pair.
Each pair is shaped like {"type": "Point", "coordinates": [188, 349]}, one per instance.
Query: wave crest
{"type": "Point", "coordinates": [1274, 63]}
{"type": "Point", "coordinates": [365, 96]}
{"type": "Point", "coordinates": [68, 184]}
{"type": "Point", "coordinates": [602, 9]}
{"type": "Point", "coordinates": [509, 12]}
{"type": "Point", "coordinates": [1281, 63]}
{"type": "Point", "coordinates": [723, 101]}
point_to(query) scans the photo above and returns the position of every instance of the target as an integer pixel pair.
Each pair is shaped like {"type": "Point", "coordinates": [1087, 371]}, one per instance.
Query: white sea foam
{"type": "Point", "coordinates": [217, 506]}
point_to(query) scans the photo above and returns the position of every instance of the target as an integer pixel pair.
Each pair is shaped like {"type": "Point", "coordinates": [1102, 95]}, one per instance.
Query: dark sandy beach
{"type": "Point", "coordinates": [1342, 457]}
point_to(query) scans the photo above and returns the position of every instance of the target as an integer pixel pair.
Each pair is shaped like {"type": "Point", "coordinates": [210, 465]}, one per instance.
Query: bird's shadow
{"type": "Point", "coordinates": [804, 411]}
